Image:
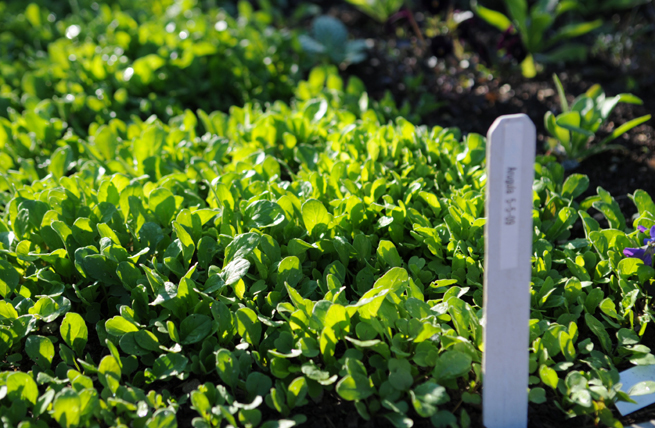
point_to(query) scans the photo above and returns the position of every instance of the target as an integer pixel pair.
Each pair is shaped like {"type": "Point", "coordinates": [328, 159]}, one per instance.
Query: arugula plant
{"type": "Point", "coordinates": [145, 58]}
{"type": "Point", "coordinates": [243, 266]}
{"type": "Point", "coordinates": [536, 25]}
{"type": "Point", "coordinates": [287, 254]}
{"type": "Point", "coordinates": [573, 132]}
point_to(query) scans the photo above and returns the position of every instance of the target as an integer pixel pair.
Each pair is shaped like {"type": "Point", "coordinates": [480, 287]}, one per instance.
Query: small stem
{"type": "Point", "coordinates": [75, 7]}
{"type": "Point", "coordinates": [415, 27]}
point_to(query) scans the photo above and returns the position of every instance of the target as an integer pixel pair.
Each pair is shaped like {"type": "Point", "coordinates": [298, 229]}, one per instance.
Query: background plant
{"type": "Point", "coordinates": [329, 39]}
{"type": "Point", "coordinates": [538, 34]}
{"type": "Point", "coordinates": [149, 58]}
{"type": "Point", "coordinates": [573, 132]}
{"type": "Point", "coordinates": [379, 10]}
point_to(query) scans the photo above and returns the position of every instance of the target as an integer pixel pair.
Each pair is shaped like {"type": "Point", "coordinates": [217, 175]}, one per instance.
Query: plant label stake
{"type": "Point", "coordinates": [507, 271]}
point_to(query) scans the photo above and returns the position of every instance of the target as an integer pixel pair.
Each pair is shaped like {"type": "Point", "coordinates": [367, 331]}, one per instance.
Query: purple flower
{"type": "Point", "coordinates": [639, 253]}
{"type": "Point", "coordinates": [651, 233]}
{"type": "Point", "coordinates": [646, 252]}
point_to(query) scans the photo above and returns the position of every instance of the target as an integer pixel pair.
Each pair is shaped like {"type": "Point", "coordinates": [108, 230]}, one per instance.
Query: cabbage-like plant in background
{"type": "Point", "coordinates": [573, 132]}
{"type": "Point", "coordinates": [329, 39]}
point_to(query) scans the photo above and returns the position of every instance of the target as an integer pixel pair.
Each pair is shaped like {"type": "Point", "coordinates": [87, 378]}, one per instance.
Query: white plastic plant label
{"type": "Point", "coordinates": [508, 247]}
{"type": "Point", "coordinates": [630, 379]}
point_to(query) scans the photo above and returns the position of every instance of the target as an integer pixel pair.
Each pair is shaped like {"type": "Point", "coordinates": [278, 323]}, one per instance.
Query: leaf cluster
{"type": "Point", "coordinates": [574, 130]}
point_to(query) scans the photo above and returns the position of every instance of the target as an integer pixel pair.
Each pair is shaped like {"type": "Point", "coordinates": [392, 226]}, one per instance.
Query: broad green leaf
{"type": "Point", "coordinates": [296, 392]}
{"type": "Point", "coordinates": [314, 215]}
{"type": "Point", "coordinates": [9, 278]}
{"type": "Point", "coordinates": [162, 418]}
{"type": "Point", "coordinates": [452, 364]}
{"type": "Point", "coordinates": [41, 350]}
{"type": "Point", "coordinates": [548, 376]}
{"type": "Point", "coordinates": [388, 252]}
{"type": "Point", "coordinates": [74, 332]}
{"type": "Point", "coordinates": [248, 326]}
{"type": "Point", "coordinates": [262, 214]}
{"type": "Point", "coordinates": [21, 386]}
{"type": "Point", "coordinates": [167, 365]}
{"type": "Point", "coordinates": [642, 388]}
{"type": "Point", "coordinates": [643, 201]}
{"type": "Point", "coordinates": [426, 397]}
{"type": "Point", "coordinates": [357, 387]}
{"type": "Point", "coordinates": [67, 408]}
{"type": "Point", "coordinates": [195, 328]}
{"type": "Point", "coordinates": [537, 395]}
{"type": "Point", "coordinates": [110, 373]}
{"type": "Point", "coordinates": [162, 203]}
{"type": "Point", "coordinates": [118, 326]}
{"type": "Point", "coordinates": [241, 247]}
{"type": "Point", "coordinates": [227, 367]}
{"type": "Point", "coordinates": [575, 185]}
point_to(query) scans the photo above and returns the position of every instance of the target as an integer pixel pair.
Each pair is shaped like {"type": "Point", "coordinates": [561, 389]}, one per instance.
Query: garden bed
{"type": "Point", "coordinates": [204, 221]}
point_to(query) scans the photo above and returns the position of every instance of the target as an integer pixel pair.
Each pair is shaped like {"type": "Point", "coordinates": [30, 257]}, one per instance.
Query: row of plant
{"type": "Point", "coordinates": [243, 267]}
{"type": "Point", "coordinates": [147, 58]}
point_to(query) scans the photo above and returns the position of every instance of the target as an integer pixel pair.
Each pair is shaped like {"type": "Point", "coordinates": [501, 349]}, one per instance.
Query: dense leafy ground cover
{"type": "Point", "coordinates": [240, 267]}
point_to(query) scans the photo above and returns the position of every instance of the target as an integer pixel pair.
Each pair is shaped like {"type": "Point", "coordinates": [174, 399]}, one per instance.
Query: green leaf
{"type": "Point", "coordinates": [314, 215]}
{"type": "Point", "coordinates": [162, 418]}
{"type": "Point", "coordinates": [74, 332]}
{"type": "Point", "coordinates": [537, 395]}
{"type": "Point", "coordinates": [262, 214]}
{"type": "Point", "coordinates": [49, 309]}
{"type": "Point", "coordinates": [296, 392]}
{"type": "Point", "coordinates": [617, 132]}
{"type": "Point", "coordinates": [452, 364]}
{"type": "Point", "coordinates": [131, 344]}
{"type": "Point", "coordinates": [67, 408]}
{"type": "Point", "coordinates": [162, 202]}
{"type": "Point", "coordinates": [388, 252]}
{"type": "Point", "coordinates": [227, 367]}
{"type": "Point", "coordinates": [562, 95]}
{"type": "Point", "coordinates": [574, 186]}
{"type": "Point", "coordinates": [492, 17]}
{"type": "Point", "coordinates": [195, 328]}
{"type": "Point", "coordinates": [241, 247]}
{"type": "Point", "coordinates": [9, 278]}
{"type": "Point", "coordinates": [427, 396]}
{"type": "Point", "coordinates": [573, 30]}
{"type": "Point", "coordinates": [21, 386]}
{"type": "Point", "coordinates": [41, 350]}
{"type": "Point", "coordinates": [167, 365]}
{"type": "Point", "coordinates": [400, 374]}
{"type": "Point", "coordinates": [355, 387]}
{"type": "Point", "coordinates": [249, 326]}
{"type": "Point", "coordinates": [258, 383]}
{"type": "Point", "coordinates": [110, 373]}
{"type": "Point", "coordinates": [235, 270]}
{"type": "Point", "coordinates": [548, 376]}
{"type": "Point", "coordinates": [598, 329]}
{"type": "Point", "coordinates": [643, 201]}
{"type": "Point", "coordinates": [645, 387]}
{"type": "Point", "coordinates": [118, 326]}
